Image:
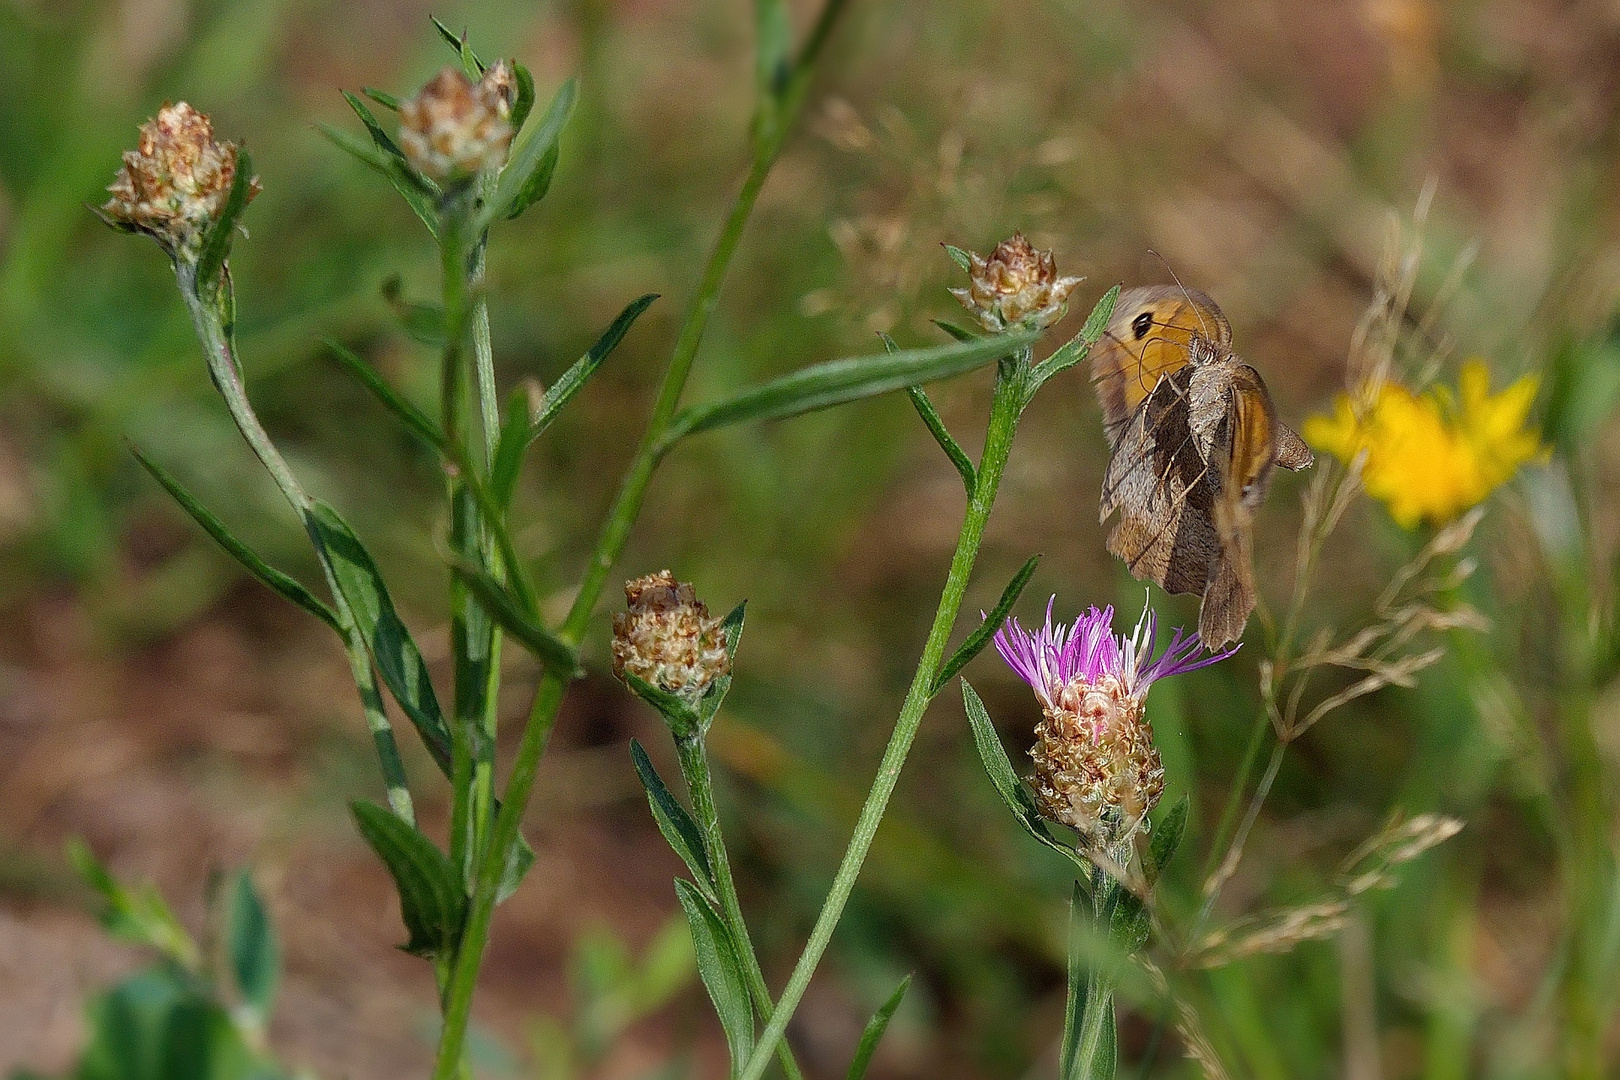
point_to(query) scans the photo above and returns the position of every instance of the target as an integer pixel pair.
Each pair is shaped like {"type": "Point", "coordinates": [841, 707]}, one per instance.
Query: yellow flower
{"type": "Point", "coordinates": [1431, 457]}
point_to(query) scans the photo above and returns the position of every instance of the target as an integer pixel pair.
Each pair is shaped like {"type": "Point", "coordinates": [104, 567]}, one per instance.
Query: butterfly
{"type": "Point", "coordinates": [1194, 437]}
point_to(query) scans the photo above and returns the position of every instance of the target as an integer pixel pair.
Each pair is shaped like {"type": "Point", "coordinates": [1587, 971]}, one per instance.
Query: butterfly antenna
{"type": "Point", "coordinates": [1203, 330]}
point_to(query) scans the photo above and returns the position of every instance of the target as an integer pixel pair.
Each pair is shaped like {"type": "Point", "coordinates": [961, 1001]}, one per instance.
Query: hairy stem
{"type": "Point", "coordinates": [694, 757]}
{"type": "Point", "coordinates": [1008, 401]}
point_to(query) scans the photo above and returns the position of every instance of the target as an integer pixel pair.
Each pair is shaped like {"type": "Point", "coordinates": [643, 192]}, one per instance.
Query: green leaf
{"type": "Point", "coordinates": [986, 629]}
{"type": "Point", "coordinates": [382, 97]}
{"type": "Point", "coordinates": [162, 1025]}
{"type": "Point", "coordinates": [509, 455]}
{"type": "Point", "coordinates": [398, 659]}
{"type": "Point", "coordinates": [959, 257]}
{"type": "Point", "coordinates": [1007, 784]}
{"type": "Point", "coordinates": [1080, 921]}
{"type": "Point", "coordinates": [383, 141]}
{"type": "Point", "coordinates": [399, 174]}
{"type": "Point", "coordinates": [682, 833]}
{"type": "Point", "coordinates": [250, 942]}
{"type": "Point", "coordinates": [510, 445]}
{"type": "Point", "coordinates": [539, 182]}
{"type": "Point", "coordinates": [936, 426]}
{"type": "Point", "coordinates": [721, 971]}
{"type": "Point", "coordinates": [470, 64]}
{"type": "Point", "coordinates": [1167, 837]}
{"type": "Point", "coordinates": [518, 861]}
{"type": "Point", "coordinates": [683, 720]}
{"type": "Point", "coordinates": [289, 588]}
{"type": "Point", "coordinates": [875, 1028]}
{"type": "Point", "coordinates": [136, 915]}
{"type": "Point", "coordinates": [216, 245]}
{"type": "Point", "coordinates": [518, 179]}
{"type": "Point", "coordinates": [515, 618]}
{"type": "Point", "coordinates": [523, 104]}
{"type": "Point", "coordinates": [1076, 348]}
{"type": "Point", "coordinates": [960, 333]}
{"type": "Point", "coordinates": [839, 381]}
{"type": "Point", "coordinates": [431, 900]}
{"type": "Point", "coordinates": [414, 419]}
{"type": "Point", "coordinates": [422, 323]}
{"type": "Point", "coordinates": [709, 704]}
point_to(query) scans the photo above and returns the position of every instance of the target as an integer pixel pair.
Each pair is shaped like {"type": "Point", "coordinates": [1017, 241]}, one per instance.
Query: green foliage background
{"type": "Point", "coordinates": [1256, 147]}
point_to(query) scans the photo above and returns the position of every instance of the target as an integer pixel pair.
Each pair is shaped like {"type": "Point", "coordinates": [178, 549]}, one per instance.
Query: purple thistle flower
{"type": "Point", "coordinates": [1051, 658]}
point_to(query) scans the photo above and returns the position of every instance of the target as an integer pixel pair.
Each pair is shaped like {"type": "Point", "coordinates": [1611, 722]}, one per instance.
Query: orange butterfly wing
{"type": "Point", "coordinates": [1149, 337]}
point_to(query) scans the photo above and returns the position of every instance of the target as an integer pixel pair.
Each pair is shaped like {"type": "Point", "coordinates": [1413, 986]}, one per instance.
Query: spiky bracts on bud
{"type": "Point", "coordinates": [1096, 769]}
{"type": "Point", "coordinates": [667, 639]}
{"type": "Point", "coordinates": [455, 128]}
{"type": "Point", "coordinates": [1017, 285]}
{"type": "Point", "coordinates": [176, 183]}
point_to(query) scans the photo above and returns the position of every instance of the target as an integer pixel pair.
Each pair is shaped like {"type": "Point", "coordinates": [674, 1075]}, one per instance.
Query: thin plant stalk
{"type": "Point", "coordinates": [615, 532]}
{"type": "Point", "coordinates": [1008, 401]}
{"type": "Point", "coordinates": [215, 333]}
{"type": "Point", "coordinates": [694, 759]}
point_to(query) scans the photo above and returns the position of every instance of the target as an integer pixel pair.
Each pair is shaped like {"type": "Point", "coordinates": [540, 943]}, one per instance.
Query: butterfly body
{"type": "Point", "coordinates": [1195, 439]}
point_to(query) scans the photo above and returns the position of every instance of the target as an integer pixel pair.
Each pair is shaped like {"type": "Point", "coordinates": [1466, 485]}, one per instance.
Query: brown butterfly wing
{"type": "Point", "coordinates": [1162, 488]}
{"type": "Point", "coordinates": [1148, 337]}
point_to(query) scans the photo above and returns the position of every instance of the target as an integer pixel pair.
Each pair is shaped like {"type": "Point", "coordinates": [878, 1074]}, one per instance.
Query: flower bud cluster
{"type": "Point", "coordinates": [176, 183]}
{"type": "Point", "coordinates": [1016, 286]}
{"type": "Point", "coordinates": [667, 639]}
{"type": "Point", "coordinates": [455, 128]}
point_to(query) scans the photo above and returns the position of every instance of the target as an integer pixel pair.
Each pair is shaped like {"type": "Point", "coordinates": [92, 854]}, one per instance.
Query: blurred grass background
{"type": "Point", "coordinates": [181, 718]}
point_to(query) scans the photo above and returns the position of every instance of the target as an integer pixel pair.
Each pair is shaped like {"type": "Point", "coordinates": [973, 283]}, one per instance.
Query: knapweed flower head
{"type": "Point", "coordinates": [454, 128]}
{"type": "Point", "coordinates": [1096, 768]}
{"type": "Point", "coordinates": [1016, 286]}
{"type": "Point", "coordinates": [666, 638]}
{"type": "Point", "coordinates": [176, 183]}
{"type": "Point", "coordinates": [1432, 456]}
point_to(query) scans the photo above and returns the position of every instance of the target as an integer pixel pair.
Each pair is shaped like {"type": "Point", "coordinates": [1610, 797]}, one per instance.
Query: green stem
{"type": "Point", "coordinates": [610, 543]}
{"type": "Point", "coordinates": [694, 759]}
{"type": "Point", "coordinates": [208, 318]}
{"type": "Point", "coordinates": [1007, 403]}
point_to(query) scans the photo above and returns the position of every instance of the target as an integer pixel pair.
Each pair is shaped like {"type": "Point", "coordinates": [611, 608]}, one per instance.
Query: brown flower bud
{"type": "Point", "coordinates": [455, 127]}
{"type": "Point", "coordinates": [667, 638]}
{"type": "Point", "coordinates": [176, 184]}
{"type": "Point", "coordinates": [1096, 769]}
{"type": "Point", "coordinates": [1017, 285]}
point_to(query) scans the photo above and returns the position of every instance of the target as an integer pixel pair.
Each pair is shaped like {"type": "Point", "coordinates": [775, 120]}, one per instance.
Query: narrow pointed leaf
{"type": "Point", "coordinates": [431, 900]}
{"type": "Point", "coordinates": [473, 66]}
{"type": "Point", "coordinates": [509, 454]}
{"type": "Point", "coordinates": [381, 138]}
{"type": "Point", "coordinates": [518, 861]}
{"type": "Point", "coordinates": [514, 617]}
{"type": "Point", "coordinates": [959, 257]}
{"type": "Point", "coordinates": [398, 659]}
{"type": "Point", "coordinates": [683, 720]}
{"type": "Point", "coordinates": [1076, 348]}
{"type": "Point", "coordinates": [957, 331]}
{"type": "Point", "coordinates": [216, 245]}
{"type": "Point", "coordinates": [875, 1028]}
{"type": "Point", "coordinates": [139, 914]}
{"type": "Point", "coordinates": [709, 704]}
{"type": "Point", "coordinates": [251, 944]}
{"type": "Point", "coordinates": [681, 832]}
{"type": "Point", "coordinates": [1007, 784]}
{"type": "Point", "coordinates": [1167, 837]}
{"type": "Point", "coordinates": [288, 587]}
{"type": "Point", "coordinates": [414, 419]}
{"type": "Point", "coordinates": [397, 172]}
{"type": "Point", "coordinates": [1080, 919]}
{"type": "Point", "coordinates": [986, 630]}
{"type": "Point", "coordinates": [839, 381]}
{"type": "Point", "coordinates": [523, 104]}
{"type": "Point", "coordinates": [538, 184]}
{"type": "Point", "coordinates": [936, 426]}
{"type": "Point", "coordinates": [773, 31]}
{"type": "Point", "coordinates": [382, 97]}
{"type": "Point", "coordinates": [509, 447]}
{"type": "Point", "coordinates": [721, 970]}
{"type": "Point", "coordinates": [528, 158]}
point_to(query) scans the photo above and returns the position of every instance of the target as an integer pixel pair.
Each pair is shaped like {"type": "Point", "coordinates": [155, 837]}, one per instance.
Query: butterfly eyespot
{"type": "Point", "coordinates": [1142, 324]}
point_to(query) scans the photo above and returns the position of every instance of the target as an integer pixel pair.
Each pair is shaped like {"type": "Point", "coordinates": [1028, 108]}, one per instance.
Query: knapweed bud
{"type": "Point", "coordinates": [1096, 769]}
{"type": "Point", "coordinates": [454, 127]}
{"type": "Point", "coordinates": [667, 639]}
{"type": "Point", "coordinates": [1016, 286]}
{"type": "Point", "coordinates": [176, 184]}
